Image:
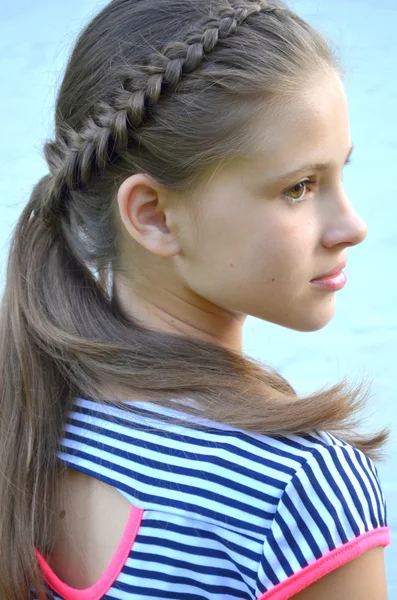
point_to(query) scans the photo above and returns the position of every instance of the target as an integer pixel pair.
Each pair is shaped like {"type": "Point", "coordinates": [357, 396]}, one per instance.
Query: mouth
{"type": "Point", "coordinates": [332, 281]}
{"type": "Point", "coordinates": [335, 271]}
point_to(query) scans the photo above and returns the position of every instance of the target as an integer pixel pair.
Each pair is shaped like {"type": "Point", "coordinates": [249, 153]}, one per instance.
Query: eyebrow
{"type": "Point", "coordinates": [309, 167]}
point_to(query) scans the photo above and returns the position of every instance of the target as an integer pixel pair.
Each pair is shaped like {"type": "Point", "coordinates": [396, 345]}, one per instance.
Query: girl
{"type": "Point", "coordinates": [194, 179]}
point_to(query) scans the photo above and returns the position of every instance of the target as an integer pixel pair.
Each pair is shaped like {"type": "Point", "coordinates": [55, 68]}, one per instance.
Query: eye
{"type": "Point", "coordinates": [296, 193]}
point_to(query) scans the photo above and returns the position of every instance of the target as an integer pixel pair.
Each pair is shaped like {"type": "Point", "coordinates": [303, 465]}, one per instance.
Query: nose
{"type": "Point", "coordinates": [344, 225]}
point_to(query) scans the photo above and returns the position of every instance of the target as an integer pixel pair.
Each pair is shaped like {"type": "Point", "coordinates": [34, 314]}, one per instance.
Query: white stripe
{"type": "Point", "coordinates": [225, 534]}
{"type": "Point", "coordinates": [269, 453]}
{"type": "Point", "coordinates": [187, 463]}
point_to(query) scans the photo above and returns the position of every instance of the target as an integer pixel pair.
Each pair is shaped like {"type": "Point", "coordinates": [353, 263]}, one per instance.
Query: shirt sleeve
{"type": "Point", "coordinates": [331, 511]}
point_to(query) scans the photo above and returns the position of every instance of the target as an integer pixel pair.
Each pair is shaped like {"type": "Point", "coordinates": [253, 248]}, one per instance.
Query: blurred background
{"type": "Point", "coordinates": [35, 40]}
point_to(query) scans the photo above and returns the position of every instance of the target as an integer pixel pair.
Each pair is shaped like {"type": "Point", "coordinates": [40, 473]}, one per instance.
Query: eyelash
{"type": "Point", "coordinates": [308, 181]}
{"type": "Point", "coordinates": [312, 181]}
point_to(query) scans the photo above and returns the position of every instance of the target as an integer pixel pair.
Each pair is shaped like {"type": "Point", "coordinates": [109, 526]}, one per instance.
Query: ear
{"type": "Point", "coordinates": [143, 211]}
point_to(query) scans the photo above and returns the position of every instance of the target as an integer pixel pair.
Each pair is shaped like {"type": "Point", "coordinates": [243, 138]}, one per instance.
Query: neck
{"type": "Point", "coordinates": [176, 309]}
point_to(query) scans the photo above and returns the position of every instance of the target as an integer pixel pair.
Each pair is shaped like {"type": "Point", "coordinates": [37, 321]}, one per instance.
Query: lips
{"type": "Point", "coordinates": [335, 270]}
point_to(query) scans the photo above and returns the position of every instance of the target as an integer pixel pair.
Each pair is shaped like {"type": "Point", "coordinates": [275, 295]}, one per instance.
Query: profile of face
{"type": "Point", "coordinates": [264, 227]}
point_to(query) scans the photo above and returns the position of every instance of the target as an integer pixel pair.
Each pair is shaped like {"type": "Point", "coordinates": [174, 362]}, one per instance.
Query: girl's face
{"type": "Point", "coordinates": [273, 223]}
{"type": "Point", "coordinates": [263, 228]}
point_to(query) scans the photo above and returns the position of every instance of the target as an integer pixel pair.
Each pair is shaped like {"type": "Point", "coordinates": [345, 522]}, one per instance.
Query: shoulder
{"type": "Point", "coordinates": [331, 511]}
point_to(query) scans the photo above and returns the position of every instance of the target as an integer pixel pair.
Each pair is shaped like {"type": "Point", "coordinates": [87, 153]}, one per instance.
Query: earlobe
{"type": "Point", "coordinates": [144, 217]}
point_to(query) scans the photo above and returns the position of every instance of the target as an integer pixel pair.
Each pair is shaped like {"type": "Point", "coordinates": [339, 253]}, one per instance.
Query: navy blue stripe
{"type": "Point", "coordinates": [364, 487]}
{"type": "Point", "coordinates": [280, 556]}
{"type": "Point", "coordinates": [289, 538]}
{"type": "Point", "coordinates": [372, 467]}
{"type": "Point", "coordinates": [213, 460]}
{"type": "Point", "coordinates": [375, 486]}
{"type": "Point", "coordinates": [253, 456]}
{"type": "Point", "coordinates": [176, 485]}
{"type": "Point", "coordinates": [335, 438]}
{"type": "Point", "coordinates": [338, 492]}
{"type": "Point", "coordinates": [347, 479]}
{"type": "Point", "coordinates": [183, 506]}
{"type": "Point", "coordinates": [313, 512]}
{"type": "Point", "coordinates": [154, 542]}
{"type": "Point", "coordinates": [256, 475]}
{"type": "Point", "coordinates": [175, 580]}
{"type": "Point", "coordinates": [161, 559]}
{"type": "Point", "coordinates": [195, 532]}
{"type": "Point", "coordinates": [270, 574]}
{"type": "Point", "coordinates": [303, 447]}
{"type": "Point", "coordinates": [149, 591]}
{"type": "Point", "coordinates": [326, 501]}
{"type": "Point", "coordinates": [234, 433]}
{"type": "Point", "coordinates": [301, 525]}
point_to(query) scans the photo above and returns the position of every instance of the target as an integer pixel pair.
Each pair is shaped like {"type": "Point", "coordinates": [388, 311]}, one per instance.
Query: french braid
{"type": "Point", "coordinates": [75, 158]}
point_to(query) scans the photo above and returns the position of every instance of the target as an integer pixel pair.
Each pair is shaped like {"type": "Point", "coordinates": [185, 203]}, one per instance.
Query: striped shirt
{"type": "Point", "coordinates": [218, 513]}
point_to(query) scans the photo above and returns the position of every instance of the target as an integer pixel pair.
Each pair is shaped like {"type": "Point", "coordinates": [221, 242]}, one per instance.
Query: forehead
{"type": "Point", "coordinates": [312, 125]}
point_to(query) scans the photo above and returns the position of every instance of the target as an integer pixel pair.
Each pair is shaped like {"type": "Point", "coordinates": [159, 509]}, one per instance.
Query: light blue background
{"type": "Point", "coordinates": [35, 39]}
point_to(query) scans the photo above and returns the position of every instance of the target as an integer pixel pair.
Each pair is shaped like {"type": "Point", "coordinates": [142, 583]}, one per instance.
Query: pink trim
{"type": "Point", "coordinates": [324, 565]}
{"type": "Point", "coordinates": [102, 586]}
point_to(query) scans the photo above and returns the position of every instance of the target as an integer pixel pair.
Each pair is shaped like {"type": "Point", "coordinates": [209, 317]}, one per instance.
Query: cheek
{"type": "Point", "coordinates": [280, 251]}
{"type": "Point", "coordinates": [219, 256]}
{"type": "Point", "coordinates": [294, 243]}
{"type": "Point", "coordinates": [236, 263]}
{"type": "Point", "coordinates": [246, 253]}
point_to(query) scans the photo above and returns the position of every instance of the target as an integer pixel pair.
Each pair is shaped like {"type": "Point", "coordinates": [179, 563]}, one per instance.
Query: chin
{"type": "Point", "coordinates": [310, 327]}
{"type": "Point", "coordinates": [308, 321]}
{"type": "Point", "coordinates": [314, 322]}
{"type": "Point", "coordinates": [310, 318]}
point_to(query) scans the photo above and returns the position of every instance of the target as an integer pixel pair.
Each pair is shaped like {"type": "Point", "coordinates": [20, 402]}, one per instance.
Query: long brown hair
{"type": "Point", "coordinates": [167, 89]}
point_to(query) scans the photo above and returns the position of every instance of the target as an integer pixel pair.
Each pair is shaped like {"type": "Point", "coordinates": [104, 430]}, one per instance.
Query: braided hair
{"type": "Point", "coordinates": [170, 89]}
{"type": "Point", "coordinates": [78, 155]}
